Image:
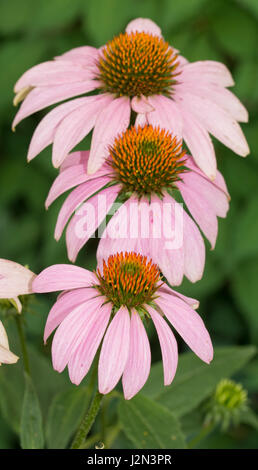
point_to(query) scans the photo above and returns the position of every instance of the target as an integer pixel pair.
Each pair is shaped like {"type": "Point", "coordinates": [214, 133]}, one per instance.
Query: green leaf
{"type": "Point", "coordinates": [99, 16]}
{"type": "Point", "coordinates": [149, 425]}
{"type": "Point", "coordinates": [195, 380]}
{"type": "Point", "coordinates": [237, 36]}
{"type": "Point", "coordinates": [251, 5]}
{"type": "Point", "coordinates": [244, 289]}
{"type": "Point", "coordinates": [10, 399]}
{"type": "Point", "coordinates": [180, 11]}
{"type": "Point", "coordinates": [31, 419]}
{"type": "Point", "coordinates": [65, 414]}
{"type": "Point", "coordinates": [246, 235]}
{"type": "Point", "coordinates": [15, 15]}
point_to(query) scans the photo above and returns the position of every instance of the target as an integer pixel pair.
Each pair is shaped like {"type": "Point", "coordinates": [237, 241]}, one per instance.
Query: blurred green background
{"type": "Point", "coordinates": [224, 30]}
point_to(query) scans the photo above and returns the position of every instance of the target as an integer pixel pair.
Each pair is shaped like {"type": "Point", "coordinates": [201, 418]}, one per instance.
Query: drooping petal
{"type": "Point", "coordinates": [194, 303]}
{"type": "Point", "coordinates": [194, 250]}
{"type": "Point", "coordinates": [199, 143]}
{"type": "Point", "coordinates": [72, 176]}
{"type": "Point", "coordinates": [138, 364]}
{"type": "Point", "coordinates": [14, 279]}
{"type": "Point", "coordinates": [41, 97]}
{"type": "Point", "coordinates": [121, 232]}
{"type": "Point", "coordinates": [75, 198]}
{"type": "Point", "coordinates": [167, 248]}
{"type": "Point", "coordinates": [219, 95]}
{"type": "Point", "coordinates": [201, 211]}
{"type": "Point", "coordinates": [3, 337]}
{"type": "Point", "coordinates": [71, 332]}
{"type": "Point", "coordinates": [45, 131]}
{"type": "Point", "coordinates": [207, 190]}
{"type": "Point", "coordinates": [217, 121]}
{"type": "Point", "coordinates": [76, 126]}
{"type": "Point", "coordinates": [145, 25]}
{"type": "Point", "coordinates": [53, 73]}
{"type": "Point", "coordinates": [64, 305]}
{"type": "Point", "coordinates": [208, 71]}
{"type": "Point", "coordinates": [6, 356]}
{"type": "Point", "coordinates": [113, 120]}
{"type": "Point", "coordinates": [63, 277]}
{"type": "Point", "coordinates": [168, 345]}
{"type": "Point", "coordinates": [82, 358]}
{"type": "Point", "coordinates": [189, 325]}
{"type": "Point", "coordinates": [114, 351]}
{"type": "Point", "coordinates": [166, 115]}
{"type": "Point", "coordinates": [83, 55]}
{"type": "Point", "coordinates": [75, 158]}
{"type": "Point", "coordinates": [218, 182]}
{"type": "Point", "coordinates": [91, 215]}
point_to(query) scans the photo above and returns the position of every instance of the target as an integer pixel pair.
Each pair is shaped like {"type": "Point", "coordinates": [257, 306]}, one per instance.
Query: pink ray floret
{"type": "Point", "coordinates": [89, 315]}
{"type": "Point", "coordinates": [195, 103]}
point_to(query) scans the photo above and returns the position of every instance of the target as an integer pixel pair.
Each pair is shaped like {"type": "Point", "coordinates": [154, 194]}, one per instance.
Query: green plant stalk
{"type": "Point", "coordinates": [87, 422]}
{"type": "Point", "coordinates": [25, 355]}
{"type": "Point", "coordinates": [205, 431]}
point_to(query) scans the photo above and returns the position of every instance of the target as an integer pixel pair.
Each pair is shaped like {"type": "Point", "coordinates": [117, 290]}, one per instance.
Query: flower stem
{"type": "Point", "coordinates": [202, 434]}
{"type": "Point", "coordinates": [87, 421]}
{"type": "Point", "coordinates": [23, 344]}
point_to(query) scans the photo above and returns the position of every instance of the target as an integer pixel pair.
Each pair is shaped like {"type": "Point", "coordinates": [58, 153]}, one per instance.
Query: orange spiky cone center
{"type": "Point", "coordinates": [128, 279]}
{"type": "Point", "coordinates": [137, 64]}
{"type": "Point", "coordinates": [147, 160]}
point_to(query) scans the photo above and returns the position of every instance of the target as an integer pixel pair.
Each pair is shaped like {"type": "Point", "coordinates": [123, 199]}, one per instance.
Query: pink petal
{"type": "Point", "coordinates": [166, 290]}
{"type": "Point", "coordinates": [208, 71]}
{"type": "Point", "coordinates": [76, 126]}
{"type": "Point", "coordinates": [194, 250]}
{"type": "Point", "coordinates": [219, 95]}
{"type": "Point", "coordinates": [75, 158]}
{"type": "Point", "coordinates": [41, 97]}
{"type": "Point", "coordinates": [201, 211]}
{"type": "Point", "coordinates": [145, 25]}
{"type": "Point", "coordinates": [167, 250]}
{"type": "Point", "coordinates": [3, 337]}
{"type": "Point", "coordinates": [53, 73]}
{"type": "Point", "coordinates": [168, 346]}
{"type": "Point", "coordinates": [166, 115]}
{"type": "Point", "coordinates": [138, 364]}
{"type": "Point", "coordinates": [217, 121]}
{"type": "Point", "coordinates": [199, 143]}
{"type": "Point", "coordinates": [64, 305]}
{"type": "Point", "coordinates": [218, 181]}
{"type": "Point", "coordinates": [45, 131]}
{"type": "Point", "coordinates": [83, 55]}
{"type": "Point", "coordinates": [141, 105]}
{"type": "Point", "coordinates": [114, 351]}
{"type": "Point", "coordinates": [7, 357]}
{"type": "Point", "coordinates": [63, 277]}
{"type": "Point", "coordinates": [141, 120]}
{"type": "Point", "coordinates": [67, 179]}
{"type": "Point", "coordinates": [118, 235]}
{"type": "Point", "coordinates": [206, 190]}
{"type": "Point", "coordinates": [82, 358]}
{"type": "Point", "coordinates": [189, 325]}
{"type": "Point", "coordinates": [14, 279]}
{"type": "Point", "coordinates": [77, 197]}
{"type": "Point", "coordinates": [113, 120]}
{"type": "Point", "coordinates": [71, 332]}
{"type": "Point", "coordinates": [76, 234]}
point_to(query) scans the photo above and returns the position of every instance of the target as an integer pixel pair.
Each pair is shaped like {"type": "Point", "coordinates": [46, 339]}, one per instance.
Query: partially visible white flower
{"type": "Point", "coordinates": [6, 356]}
{"type": "Point", "coordinates": [15, 280]}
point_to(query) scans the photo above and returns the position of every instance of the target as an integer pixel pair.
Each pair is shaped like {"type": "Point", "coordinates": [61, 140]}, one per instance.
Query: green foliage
{"type": "Point", "coordinates": [149, 425]}
{"type": "Point", "coordinates": [31, 419]}
{"type": "Point", "coordinates": [195, 380]}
